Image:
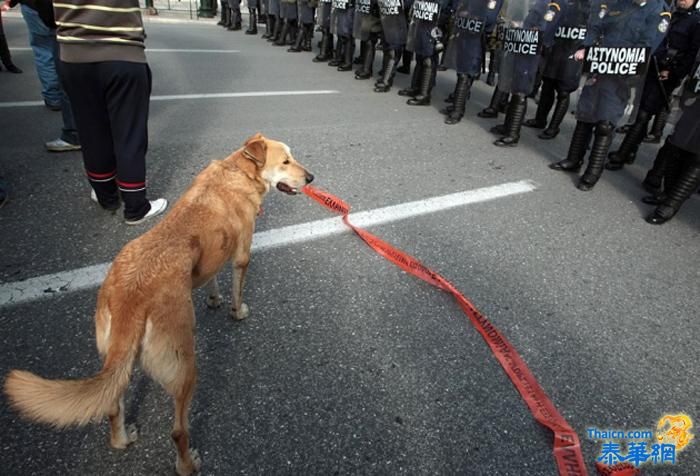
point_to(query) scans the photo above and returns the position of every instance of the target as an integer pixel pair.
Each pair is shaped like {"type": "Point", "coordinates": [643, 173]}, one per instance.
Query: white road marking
{"type": "Point", "coordinates": [156, 50]}
{"type": "Point", "coordinates": [92, 276]}
{"type": "Point", "coordinates": [175, 97]}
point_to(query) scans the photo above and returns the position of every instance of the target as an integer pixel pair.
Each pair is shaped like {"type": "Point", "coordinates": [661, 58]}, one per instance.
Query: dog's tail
{"type": "Point", "coordinates": [74, 402]}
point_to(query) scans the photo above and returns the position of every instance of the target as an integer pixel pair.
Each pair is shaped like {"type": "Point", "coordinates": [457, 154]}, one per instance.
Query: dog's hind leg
{"type": "Point", "coordinates": [239, 309]}
{"type": "Point", "coordinates": [213, 295]}
{"type": "Point", "coordinates": [121, 435]}
{"type": "Point", "coordinates": [167, 355]}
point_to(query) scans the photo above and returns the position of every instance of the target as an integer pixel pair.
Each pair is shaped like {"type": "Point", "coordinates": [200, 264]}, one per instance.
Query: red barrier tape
{"type": "Point", "coordinates": [567, 448]}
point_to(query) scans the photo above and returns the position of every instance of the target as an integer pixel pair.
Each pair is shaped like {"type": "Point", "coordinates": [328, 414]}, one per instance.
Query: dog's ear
{"type": "Point", "coordinates": [255, 149]}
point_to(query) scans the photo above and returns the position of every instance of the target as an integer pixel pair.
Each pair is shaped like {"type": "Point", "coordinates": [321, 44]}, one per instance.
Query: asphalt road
{"type": "Point", "coordinates": [347, 365]}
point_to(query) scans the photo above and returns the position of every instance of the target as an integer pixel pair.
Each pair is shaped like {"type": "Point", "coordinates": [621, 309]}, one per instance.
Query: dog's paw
{"type": "Point", "coordinates": [214, 302]}
{"type": "Point", "coordinates": [130, 435]}
{"type": "Point", "coordinates": [185, 469]}
{"type": "Point", "coordinates": [241, 313]}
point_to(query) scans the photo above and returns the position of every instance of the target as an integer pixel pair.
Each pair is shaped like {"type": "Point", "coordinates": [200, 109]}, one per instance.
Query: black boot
{"type": "Point", "coordinates": [492, 110]}
{"type": "Point", "coordinates": [293, 32]}
{"type": "Point", "coordinates": [423, 96]}
{"type": "Point", "coordinates": [365, 72]}
{"type": "Point", "coordinates": [235, 23]}
{"type": "Point", "coordinates": [339, 52]}
{"type": "Point", "coordinates": [491, 77]}
{"type": "Point", "coordinates": [596, 161]}
{"type": "Point", "coordinates": [296, 47]}
{"type": "Point", "coordinates": [654, 179]}
{"type": "Point", "coordinates": [414, 89]}
{"type": "Point", "coordinates": [282, 40]}
{"type": "Point", "coordinates": [543, 107]}
{"type": "Point", "coordinates": [514, 121]}
{"type": "Point", "coordinates": [464, 84]}
{"type": "Point", "coordinates": [657, 127]}
{"type": "Point", "coordinates": [228, 16]}
{"type": "Point", "coordinates": [269, 27]}
{"type": "Point", "coordinates": [686, 184]}
{"type": "Point", "coordinates": [308, 37]}
{"type": "Point", "coordinates": [346, 65]}
{"type": "Point", "coordinates": [577, 148]}
{"type": "Point", "coordinates": [324, 53]}
{"type": "Point", "coordinates": [406, 58]}
{"type": "Point", "coordinates": [277, 31]}
{"type": "Point", "coordinates": [628, 148]}
{"type": "Point", "coordinates": [222, 22]}
{"type": "Point", "coordinates": [252, 23]}
{"type": "Point", "coordinates": [558, 116]}
{"type": "Point", "coordinates": [389, 67]}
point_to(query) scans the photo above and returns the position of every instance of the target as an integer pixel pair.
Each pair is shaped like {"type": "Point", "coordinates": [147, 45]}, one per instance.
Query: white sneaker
{"type": "Point", "coordinates": [59, 145]}
{"type": "Point", "coordinates": [157, 207]}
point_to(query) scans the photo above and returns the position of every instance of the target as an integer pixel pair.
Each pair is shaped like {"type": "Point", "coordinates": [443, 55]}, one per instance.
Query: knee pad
{"type": "Point", "coordinates": [604, 128]}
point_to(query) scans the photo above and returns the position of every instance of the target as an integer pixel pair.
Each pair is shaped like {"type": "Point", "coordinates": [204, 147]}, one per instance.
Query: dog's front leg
{"type": "Point", "coordinates": [239, 309]}
{"type": "Point", "coordinates": [213, 295]}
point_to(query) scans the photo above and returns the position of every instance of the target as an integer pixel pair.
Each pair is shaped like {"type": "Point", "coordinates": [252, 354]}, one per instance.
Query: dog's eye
{"type": "Point", "coordinates": [286, 162]}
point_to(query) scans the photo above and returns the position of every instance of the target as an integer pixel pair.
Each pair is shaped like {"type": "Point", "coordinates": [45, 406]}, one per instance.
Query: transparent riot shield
{"type": "Point", "coordinates": [526, 24]}
{"type": "Point", "coordinates": [568, 38]}
{"type": "Point", "coordinates": [471, 20]}
{"type": "Point", "coordinates": [425, 29]}
{"type": "Point", "coordinates": [342, 17]}
{"type": "Point", "coordinates": [366, 19]}
{"type": "Point", "coordinates": [686, 134]}
{"type": "Point", "coordinates": [393, 18]}
{"type": "Point", "coordinates": [619, 43]}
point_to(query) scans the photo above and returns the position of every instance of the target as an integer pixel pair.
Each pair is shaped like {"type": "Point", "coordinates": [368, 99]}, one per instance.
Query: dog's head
{"type": "Point", "coordinates": [276, 165]}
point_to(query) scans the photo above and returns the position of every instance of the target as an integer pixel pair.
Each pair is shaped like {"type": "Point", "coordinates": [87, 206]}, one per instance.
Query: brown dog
{"type": "Point", "coordinates": [145, 303]}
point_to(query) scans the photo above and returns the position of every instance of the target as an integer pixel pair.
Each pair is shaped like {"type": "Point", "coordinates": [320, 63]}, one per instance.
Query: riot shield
{"type": "Point", "coordinates": [526, 24]}
{"type": "Point", "coordinates": [393, 18]}
{"type": "Point", "coordinates": [568, 38]}
{"type": "Point", "coordinates": [366, 19]}
{"type": "Point", "coordinates": [686, 134]}
{"type": "Point", "coordinates": [323, 13]}
{"type": "Point", "coordinates": [342, 17]}
{"type": "Point", "coordinates": [471, 20]}
{"type": "Point", "coordinates": [619, 40]}
{"type": "Point", "coordinates": [426, 27]}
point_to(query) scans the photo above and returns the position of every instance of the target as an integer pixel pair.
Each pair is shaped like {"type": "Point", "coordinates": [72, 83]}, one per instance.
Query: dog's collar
{"type": "Point", "coordinates": [250, 156]}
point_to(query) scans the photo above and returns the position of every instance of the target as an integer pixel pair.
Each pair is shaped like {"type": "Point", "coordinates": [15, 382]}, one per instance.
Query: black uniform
{"type": "Point", "coordinates": [675, 56]}
{"type": "Point", "coordinates": [562, 73]}
{"type": "Point", "coordinates": [528, 24]}
{"type": "Point", "coordinates": [618, 42]}
{"type": "Point", "coordinates": [394, 29]}
{"type": "Point", "coordinates": [465, 48]}
{"type": "Point", "coordinates": [680, 156]}
{"type": "Point", "coordinates": [426, 31]}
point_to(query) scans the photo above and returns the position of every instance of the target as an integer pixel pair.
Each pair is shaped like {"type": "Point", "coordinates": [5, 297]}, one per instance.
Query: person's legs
{"type": "Point", "coordinates": [127, 93]}
{"type": "Point", "coordinates": [42, 40]}
{"type": "Point", "coordinates": [5, 56]}
{"type": "Point", "coordinates": [82, 83]}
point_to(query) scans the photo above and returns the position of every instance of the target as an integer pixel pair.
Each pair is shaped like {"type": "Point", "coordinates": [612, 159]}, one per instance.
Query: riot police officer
{"type": "Point", "coordinates": [528, 23]}
{"type": "Point", "coordinates": [367, 28]}
{"type": "Point", "coordinates": [323, 21]}
{"type": "Point", "coordinates": [253, 6]}
{"type": "Point", "coordinates": [305, 33]}
{"type": "Point", "coordinates": [670, 63]}
{"type": "Point", "coordinates": [562, 73]}
{"type": "Point", "coordinates": [342, 20]}
{"type": "Point", "coordinates": [618, 42]}
{"type": "Point", "coordinates": [288, 17]}
{"type": "Point", "coordinates": [464, 54]}
{"type": "Point", "coordinates": [394, 29]}
{"type": "Point", "coordinates": [425, 39]}
{"type": "Point", "coordinates": [681, 154]}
